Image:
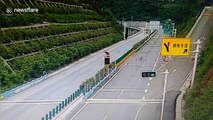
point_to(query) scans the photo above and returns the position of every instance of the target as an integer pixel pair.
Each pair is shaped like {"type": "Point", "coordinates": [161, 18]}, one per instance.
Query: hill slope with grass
{"type": "Point", "coordinates": [61, 32]}
{"type": "Point", "coordinates": [199, 99]}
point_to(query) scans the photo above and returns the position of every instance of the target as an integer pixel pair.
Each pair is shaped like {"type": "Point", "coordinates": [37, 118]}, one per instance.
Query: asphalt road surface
{"type": "Point", "coordinates": [122, 97]}
{"type": "Point", "coordinates": [35, 102]}
{"type": "Point", "coordinates": [128, 96]}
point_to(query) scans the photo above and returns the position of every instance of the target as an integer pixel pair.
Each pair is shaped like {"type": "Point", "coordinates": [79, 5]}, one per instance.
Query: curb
{"type": "Point", "coordinates": [127, 57]}
{"type": "Point", "coordinates": [180, 103]}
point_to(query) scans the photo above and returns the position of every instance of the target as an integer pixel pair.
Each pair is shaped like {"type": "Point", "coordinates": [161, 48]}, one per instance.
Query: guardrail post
{"type": "Point", "coordinates": [73, 96]}
{"type": "Point", "coordinates": [50, 115]}
{"type": "Point", "coordinates": [56, 109]}
{"type": "Point", "coordinates": [59, 106]}
{"type": "Point", "coordinates": [78, 92]}
{"type": "Point", "coordinates": [47, 117]}
{"type": "Point", "coordinates": [68, 100]}
{"type": "Point", "coordinates": [62, 105]}
{"type": "Point", "coordinates": [65, 102]}
{"type": "Point", "coordinates": [53, 112]}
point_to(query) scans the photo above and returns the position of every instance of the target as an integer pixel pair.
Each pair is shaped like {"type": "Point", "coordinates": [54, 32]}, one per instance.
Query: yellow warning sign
{"type": "Point", "coordinates": [175, 46]}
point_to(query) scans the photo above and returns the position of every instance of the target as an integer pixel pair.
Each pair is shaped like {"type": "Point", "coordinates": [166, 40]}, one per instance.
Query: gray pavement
{"type": "Point", "coordinates": [127, 85]}
{"type": "Point", "coordinates": [60, 84]}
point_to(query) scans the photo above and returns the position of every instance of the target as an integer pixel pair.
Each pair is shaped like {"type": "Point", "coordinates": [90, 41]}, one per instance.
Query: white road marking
{"type": "Point", "coordinates": [123, 101]}
{"type": "Point", "coordinates": [79, 111]}
{"type": "Point", "coordinates": [136, 116]}
{"type": "Point", "coordinates": [156, 61]}
{"type": "Point", "coordinates": [144, 98]}
{"type": "Point", "coordinates": [150, 78]}
{"type": "Point", "coordinates": [174, 71]}
{"type": "Point", "coordinates": [148, 84]}
{"type": "Point", "coordinates": [118, 90]}
{"type": "Point", "coordinates": [120, 94]}
{"type": "Point", "coordinates": [10, 104]}
{"type": "Point", "coordinates": [138, 68]}
{"type": "Point", "coordinates": [130, 79]}
{"type": "Point", "coordinates": [30, 101]}
{"type": "Point", "coordinates": [105, 117]}
{"type": "Point", "coordinates": [163, 65]}
{"type": "Point", "coordinates": [146, 90]}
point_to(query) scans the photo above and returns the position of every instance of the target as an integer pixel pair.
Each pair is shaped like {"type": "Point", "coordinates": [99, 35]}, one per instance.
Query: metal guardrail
{"type": "Point", "coordinates": [22, 87]}
{"type": "Point", "coordinates": [78, 93]}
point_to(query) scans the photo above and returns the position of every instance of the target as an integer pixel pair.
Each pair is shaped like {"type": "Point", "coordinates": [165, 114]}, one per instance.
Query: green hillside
{"type": "Point", "coordinates": [146, 10]}
{"type": "Point", "coordinates": [61, 32]}
{"type": "Point", "coordinates": [199, 99]}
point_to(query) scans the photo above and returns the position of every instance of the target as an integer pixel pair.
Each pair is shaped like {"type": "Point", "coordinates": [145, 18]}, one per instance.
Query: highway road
{"type": "Point", "coordinates": [127, 87]}
{"type": "Point", "coordinates": [119, 98]}
{"type": "Point", "coordinates": [35, 102]}
{"type": "Point", "coordinates": [122, 97]}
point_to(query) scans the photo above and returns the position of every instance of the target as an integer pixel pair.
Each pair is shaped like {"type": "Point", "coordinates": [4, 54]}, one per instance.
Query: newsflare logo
{"type": "Point", "coordinates": [9, 10]}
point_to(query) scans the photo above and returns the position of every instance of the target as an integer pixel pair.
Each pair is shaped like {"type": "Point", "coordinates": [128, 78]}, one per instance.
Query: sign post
{"type": "Point", "coordinates": [164, 93]}
{"type": "Point", "coordinates": [195, 62]}
{"type": "Point", "coordinates": [125, 25]}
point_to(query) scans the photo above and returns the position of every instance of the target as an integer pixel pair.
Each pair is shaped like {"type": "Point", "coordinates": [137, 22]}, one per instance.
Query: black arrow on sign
{"type": "Point", "coordinates": [167, 46]}
{"type": "Point", "coordinates": [185, 51]}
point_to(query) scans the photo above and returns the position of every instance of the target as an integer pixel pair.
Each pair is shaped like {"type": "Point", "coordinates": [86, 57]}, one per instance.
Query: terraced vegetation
{"type": "Point", "coordinates": [61, 33]}
{"type": "Point", "coordinates": [48, 12]}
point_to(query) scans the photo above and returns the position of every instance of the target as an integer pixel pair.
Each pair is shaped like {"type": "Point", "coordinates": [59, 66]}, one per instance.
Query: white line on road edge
{"type": "Point", "coordinates": [146, 90]}
{"type": "Point", "coordinates": [30, 101]}
{"type": "Point", "coordinates": [120, 94]}
{"type": "Point", "coordinates": [47, 103]}
{"type": "Point", "coordinates": [136, 116]}
{"type": "Point", "coordinates": [105, 117]}
{"type": "Point", "coordinates": [156, 61]}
